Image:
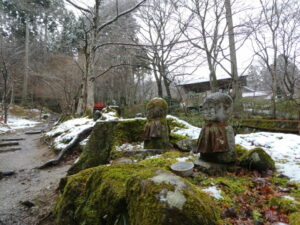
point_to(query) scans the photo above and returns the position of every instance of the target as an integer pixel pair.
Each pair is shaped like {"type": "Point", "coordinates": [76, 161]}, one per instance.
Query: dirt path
{"type": "Point", "coordinates": [28, 184]}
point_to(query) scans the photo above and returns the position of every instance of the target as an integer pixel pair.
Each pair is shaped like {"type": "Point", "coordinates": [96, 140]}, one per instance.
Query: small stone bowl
{"type": "Point", "coordinates": [184, 169]}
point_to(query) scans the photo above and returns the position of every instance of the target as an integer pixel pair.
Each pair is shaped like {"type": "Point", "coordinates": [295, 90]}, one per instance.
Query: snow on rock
{"type": "Point", "coordinates": [68, 130]}
{"type": "Point", "coordinates": [214, 192]}
{"type": "Point", "coordinates": [15, 123]}
{"type": "Point", "coordinates": [189, 130]}
{"type": "Point", "coordinates": [109, 116]}
{"type": "Point", "coordinates": [283, 148]}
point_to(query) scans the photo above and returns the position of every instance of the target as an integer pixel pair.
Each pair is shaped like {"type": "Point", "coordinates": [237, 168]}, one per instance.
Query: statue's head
{"type": "Point", "coordinates": [157, 108]}
{"type": "Point", "coordinates": [217, 107]}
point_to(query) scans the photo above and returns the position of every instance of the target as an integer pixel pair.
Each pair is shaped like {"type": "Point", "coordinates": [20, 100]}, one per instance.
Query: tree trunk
{"type": "Point", "coordinates": [158, 81]}
{"type": "Point", "coordinates": [26, 65]}
{"type": "Point", "coordinates": [80, 105]}
{"type": "Point", "coordinates": [213, 79]}
{"type": "Point", "coordinates": [46, 35]}
{"type": "Point", "coordinates": [12, 96]}
{"type": "Point", "coordinates": [167, 86]}
{"type": "Point", "coordinates": [232, 49]}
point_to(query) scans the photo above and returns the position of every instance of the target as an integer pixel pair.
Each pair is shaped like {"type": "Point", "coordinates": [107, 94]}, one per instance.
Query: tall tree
{"type": "Point", "coordinates": [93, 26]}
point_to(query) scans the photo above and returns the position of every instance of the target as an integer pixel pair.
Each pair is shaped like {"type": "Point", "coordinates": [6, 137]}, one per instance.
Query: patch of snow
{"type": "Point", "coordinates": [214, 192]}
{"type": "Point", "coordinates": [110, 116]}
{"type": "Point", "coordinates": [183, 159]}
{"type": "Point", "coordinates": [192, 156]}
{"type": "Point", "coordinates": [283, 148]}
{"type": "Point", "coordinates": [84, 142]}
{"type": "Point", "coordinates": [188, 130]}
{"type": "Point", "coordinates": [153, 156]}
{"type": "Point", "coordinates": [34, 110]}
{"type": "Point", "coordinates": [15, 123]}
{"type": "Point", "coordinates": [289, 197]}
{"type": "Point", "coordinates": [130, 147]}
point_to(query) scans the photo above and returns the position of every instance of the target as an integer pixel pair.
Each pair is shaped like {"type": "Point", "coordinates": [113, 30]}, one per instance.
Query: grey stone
{"type": "Point", "coordinates": [214, 169]}
{"type": "Point", "coordinates": [187, 145]}
{"type": "Point", "coordinates": [123, 161]}
{"type": "Point", "coordinates": [97, 115]}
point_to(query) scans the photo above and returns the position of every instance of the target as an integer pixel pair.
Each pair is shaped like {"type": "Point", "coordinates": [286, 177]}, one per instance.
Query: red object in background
{"type": "Point", "coordinates": [99, 105]}
{"type": "Point", "coordinates": [1, 119]}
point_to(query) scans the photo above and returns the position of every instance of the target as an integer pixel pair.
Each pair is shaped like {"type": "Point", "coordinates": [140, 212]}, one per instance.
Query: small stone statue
{"type": "Point", "coordinates": [156, 130]}
{"type": "Point", "coordinates": [216, 141]}
{"type": "Point", "coordinates": [97, 115]}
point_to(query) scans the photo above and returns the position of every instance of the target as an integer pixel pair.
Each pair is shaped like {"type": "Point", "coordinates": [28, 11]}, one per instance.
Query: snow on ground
{"type": "Point", "coordinates": [283, 148]}
{"type": "Point", "coordinates": [214, 192]}
{"type": "Point", "coordinates": [189, 130]}
{"type": "Point", "coordinates": [15, 123]}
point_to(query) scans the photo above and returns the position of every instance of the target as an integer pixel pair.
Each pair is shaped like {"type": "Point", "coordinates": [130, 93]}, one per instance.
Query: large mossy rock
{"type": "Point", "coordinates": [104, 137]}
{"type": "Point", "coordinates": [139, 193]}
{"type": "Point", "coordinates": [257, 159]}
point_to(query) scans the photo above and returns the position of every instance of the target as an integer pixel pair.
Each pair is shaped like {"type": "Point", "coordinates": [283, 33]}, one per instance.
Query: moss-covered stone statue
{"type": "Point", "coordinates": [156, 130]}
{"type": "Point", "coordinates": [216, 141]}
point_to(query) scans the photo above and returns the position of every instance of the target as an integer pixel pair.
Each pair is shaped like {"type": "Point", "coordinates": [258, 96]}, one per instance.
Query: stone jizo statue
{"type": "Point", "coordinates": [156, 130]}
{"type": "Point", "coordinates": [216, 141]}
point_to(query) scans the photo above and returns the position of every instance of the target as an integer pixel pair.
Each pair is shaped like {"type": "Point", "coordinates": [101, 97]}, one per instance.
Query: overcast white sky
{"type": "Point", "coordinates": [244, 54]}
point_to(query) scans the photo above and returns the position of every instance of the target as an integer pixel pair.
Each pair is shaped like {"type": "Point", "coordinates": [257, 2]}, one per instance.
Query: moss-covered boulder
{"type": "Point", "coordinates": [240, 151]}
{"type": "Point", "coordinates": [137, 193]}
{"type": "Point", "coordinates": [257, 159]}
{"type": "Point", "coordinates": [104, 137]}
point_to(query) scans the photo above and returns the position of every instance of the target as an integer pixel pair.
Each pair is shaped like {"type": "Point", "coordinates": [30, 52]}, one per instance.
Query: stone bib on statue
{"type": "Point", "coordinates": [216, 141]}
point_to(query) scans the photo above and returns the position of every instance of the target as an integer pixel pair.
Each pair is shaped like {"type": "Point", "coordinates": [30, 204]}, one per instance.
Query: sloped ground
{"type": "Point", "coordinates": [28, 185]}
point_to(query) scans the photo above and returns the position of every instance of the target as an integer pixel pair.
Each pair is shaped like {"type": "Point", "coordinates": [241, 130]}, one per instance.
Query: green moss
{"type": "Point", "coordinates": [270, 125]}
{"type": "Point", "coordinates": [257, 216]}
{"type": "Point", "coordinates": [257, 159]}
{"type": "Point", "coordinates": [240, 150]}
{"type": "Point", "coordinates": [157, 102]}
{"type": "Point", "coordinates": [174, 123]}
{"type": "Point", "coordinates": [174, 138]}
{"type": "Point", "coordinates": [285, 182]}
{"type": "Point", "coordinates": [285, 204]}
{"type": "Point", "coordinates": [294, 218]}
{"type": "Point", "coordinates": [98, 196]}
{"type": "Point", "coordinates": [165, 161]}
{"type": "Point", "coordinates": [231, 186]}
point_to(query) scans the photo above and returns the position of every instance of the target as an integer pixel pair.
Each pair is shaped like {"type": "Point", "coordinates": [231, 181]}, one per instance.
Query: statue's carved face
{"type": "Point", "coordinates": [214, 112]}
{"type": "Point", "coordinates": [156, 112]}
{"type": "Point", "coordinates": [216, 109]}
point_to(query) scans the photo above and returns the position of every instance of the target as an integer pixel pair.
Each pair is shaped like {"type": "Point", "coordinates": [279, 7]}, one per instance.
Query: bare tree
{"type": "Point", "coordinates": [163, 35]}
{"type": "Point", "coordinates": [93, 26]}
{"type": "Point", "coordinates": [274, 33]}
{"type": "Point", "coordinates": [206, 32]}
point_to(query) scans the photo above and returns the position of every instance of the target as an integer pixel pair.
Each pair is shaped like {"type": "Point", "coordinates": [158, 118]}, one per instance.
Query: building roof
{"type": "Point", "coordinates": [202, 85]}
